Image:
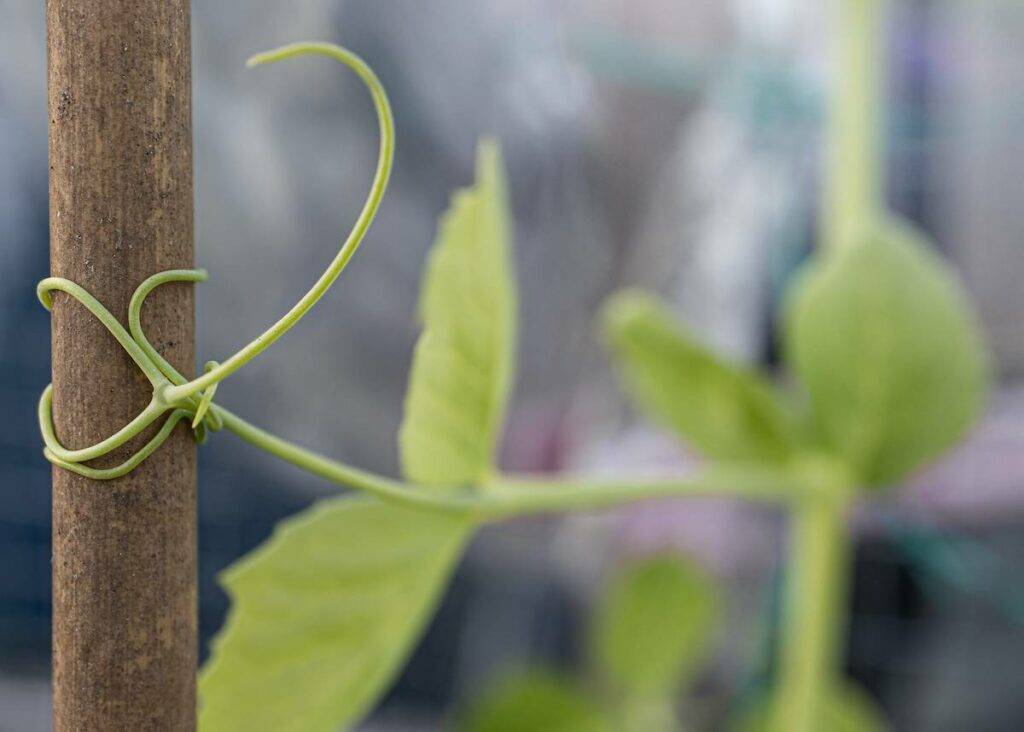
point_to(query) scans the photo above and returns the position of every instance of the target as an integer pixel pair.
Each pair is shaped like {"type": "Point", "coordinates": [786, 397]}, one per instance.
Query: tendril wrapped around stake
{"type": "Point", "coordinates": [173, 393]}
{"type": "Point", "coordinates": [159, 372]}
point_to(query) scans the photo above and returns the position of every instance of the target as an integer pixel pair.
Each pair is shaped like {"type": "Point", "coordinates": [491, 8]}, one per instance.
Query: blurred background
{"type": "Point", "coordinates": [669, 144]}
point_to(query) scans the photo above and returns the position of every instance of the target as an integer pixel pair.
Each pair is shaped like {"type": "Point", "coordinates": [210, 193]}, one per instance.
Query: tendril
{"type": "Point", "coordinates": [172, 392]}
{"type": "Point", "coordinates": [366, 215]}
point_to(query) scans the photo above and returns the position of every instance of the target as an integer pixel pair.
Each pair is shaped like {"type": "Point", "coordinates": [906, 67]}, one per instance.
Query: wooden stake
{"type": "Point", "coordinates": [124, 551]}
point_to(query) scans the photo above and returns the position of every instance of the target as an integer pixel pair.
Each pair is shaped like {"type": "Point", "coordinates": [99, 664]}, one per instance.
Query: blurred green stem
{"type": "Point", "coordinates": [855, 171]}
{"type": "Point", "coordinates": [819, 553]}
{"type": "Point", "coordinates": [815, 617]}
{"type": "Point", "coordinates": [650, 715]}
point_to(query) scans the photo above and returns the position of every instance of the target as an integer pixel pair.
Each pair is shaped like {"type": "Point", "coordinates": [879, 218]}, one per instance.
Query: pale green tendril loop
{"type": "Point", "coordinates": [355, 237]}
{"type": "Point", "coordinates": [159, 372]}
{"type": "Point", "coordinates": [172, 392]}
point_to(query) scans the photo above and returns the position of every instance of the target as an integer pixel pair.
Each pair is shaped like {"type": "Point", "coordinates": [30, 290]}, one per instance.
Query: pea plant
{"type": "Point", "coordinates": [652, 627]}
{"type": "Point", "coordinates": [886, 371]}
{"type": "Point", "coordinates": [892, 373]}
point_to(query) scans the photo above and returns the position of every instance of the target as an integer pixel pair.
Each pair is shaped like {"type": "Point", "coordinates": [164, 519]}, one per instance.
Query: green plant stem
{"type": "Point", "coordinates": [855, 173]}
{"type": "Point", "coordinates": [507, 497]}
{"type": "Point", "coordinates": [338, 472]}
{"type": "Point", "coordinates": [815, 617]}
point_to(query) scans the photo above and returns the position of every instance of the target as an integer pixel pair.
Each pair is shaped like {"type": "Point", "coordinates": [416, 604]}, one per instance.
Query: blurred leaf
{"type": "Point", "coordinates": [464, 362]}
{"type": "Point", "coordinates": [888, 348]}
{"type": "Point", "coordinates": [535, 700]}
{"type": "Point", "coordinates": [324, 614]}
{"type": "Point", "coordinates": [654, 624]}
{"type": "Point", "coordinates": [847, 709]}
{"type": "Point", "coordinates": [726, 412]}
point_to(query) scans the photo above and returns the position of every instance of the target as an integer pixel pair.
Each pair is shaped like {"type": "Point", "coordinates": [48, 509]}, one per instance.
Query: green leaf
{"type": "Point", "coordinates": [846, 709]}
{"type": "Point", "coordinates": [535, 700]}
{"type": "Point", "coordinates": [464, 362]}
{"type": "Point", "coordinates": [726, 412]}
{"type": "Point", "coordinates": [324, 614]}
{"type": "Point", "coordinates": [654, 625]}
{"type": "Point", "coordinates": [882, 337]}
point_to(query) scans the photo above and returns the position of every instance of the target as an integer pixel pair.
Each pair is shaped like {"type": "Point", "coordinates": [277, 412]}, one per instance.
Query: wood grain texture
{"type": "Point", "coordinates": [124, 551]}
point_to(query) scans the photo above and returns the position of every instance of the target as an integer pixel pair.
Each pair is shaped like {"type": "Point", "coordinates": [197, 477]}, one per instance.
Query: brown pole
{"type": "Point", "coordinates": [124, 551]}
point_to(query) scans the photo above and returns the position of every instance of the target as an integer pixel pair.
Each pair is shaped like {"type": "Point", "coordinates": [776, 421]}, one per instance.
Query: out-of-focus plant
{"type": "Point", "coordinates": [892, 372]}
{"type": "Point", "coordinates": [651, 629]}
{"type": "Point", "coordinates": [889, 369]}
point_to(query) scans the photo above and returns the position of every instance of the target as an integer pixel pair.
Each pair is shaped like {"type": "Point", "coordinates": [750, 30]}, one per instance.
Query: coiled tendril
{"type": "Point", "coordinates": [173, 394]}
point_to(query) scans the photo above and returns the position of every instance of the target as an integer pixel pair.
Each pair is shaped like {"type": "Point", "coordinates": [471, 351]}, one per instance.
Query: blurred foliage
{"type": "Point", "coordinates": [726, 412]}
{"type": "Point", "coordinates": [536, 699]}
{"type": "Point", "coordinates": [653, 625]}
{"type": "Point", "coordinates": [651, 628]}
{"type": "Point", "coordinates": [879, 334]}
{"type": "Point", "coordinates": [890, 353]}
{"type": "Point", "coordinates": [894, 370]}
